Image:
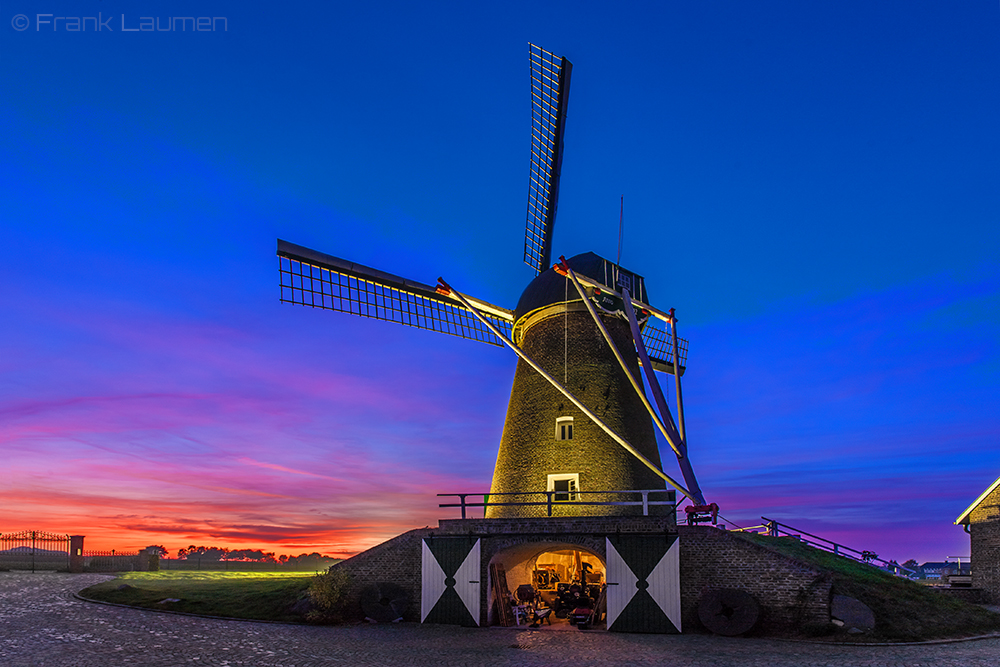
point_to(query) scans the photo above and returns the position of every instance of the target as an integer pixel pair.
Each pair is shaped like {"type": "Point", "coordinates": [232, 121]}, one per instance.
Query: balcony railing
{"type": "Point", "coordinates": [554, 499]}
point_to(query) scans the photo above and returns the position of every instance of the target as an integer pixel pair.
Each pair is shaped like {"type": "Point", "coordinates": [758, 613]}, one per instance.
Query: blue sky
{"type": "Point", "coordinates": [813, 186]}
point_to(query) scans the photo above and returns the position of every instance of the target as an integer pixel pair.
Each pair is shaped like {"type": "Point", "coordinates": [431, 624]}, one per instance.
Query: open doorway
{"type": "Point", "coordinates": [556, 586]}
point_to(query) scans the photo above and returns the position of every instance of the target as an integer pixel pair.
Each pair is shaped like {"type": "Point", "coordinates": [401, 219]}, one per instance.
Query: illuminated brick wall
{"type": "Point", "coordinates": [572, 348]}
{"type": "Point", "coordinates": [984, 526]}
{"type": "Point", "coordinates": [791, 594]}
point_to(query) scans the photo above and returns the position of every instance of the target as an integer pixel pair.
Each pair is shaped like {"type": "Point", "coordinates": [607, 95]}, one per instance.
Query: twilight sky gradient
{"type": "Point", "coordinates": [814, 186]}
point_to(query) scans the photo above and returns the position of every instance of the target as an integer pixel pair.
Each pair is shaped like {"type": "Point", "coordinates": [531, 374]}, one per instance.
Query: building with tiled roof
{"type": "Point", "coordinates": [982, 521]}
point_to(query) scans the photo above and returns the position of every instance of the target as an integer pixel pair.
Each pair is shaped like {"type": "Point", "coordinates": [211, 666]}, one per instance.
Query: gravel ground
{"type": "Point", "coordinates": [42, 624]}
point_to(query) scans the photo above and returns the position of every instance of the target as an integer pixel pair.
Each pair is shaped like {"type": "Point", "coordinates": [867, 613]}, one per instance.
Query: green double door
{"type": "Point", "coordinates": [449, 592]}
{"type": "Point", "coordinates": [643, 576]}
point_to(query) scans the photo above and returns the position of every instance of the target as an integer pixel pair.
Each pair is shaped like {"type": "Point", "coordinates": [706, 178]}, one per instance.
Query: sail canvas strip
{"type": "Point", "coordinates": [318, 280]}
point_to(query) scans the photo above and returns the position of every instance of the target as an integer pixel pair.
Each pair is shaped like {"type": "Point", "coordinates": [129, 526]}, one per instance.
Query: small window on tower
{"type": "Point", "coordinates": [625, 280]}
{"type": "Point", "coordinates": [564, 428]}
{"type": "Point", "coordinates": [566, 487]}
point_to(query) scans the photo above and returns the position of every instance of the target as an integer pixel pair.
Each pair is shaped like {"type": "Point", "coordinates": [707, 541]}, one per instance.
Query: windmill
{"type": "Point", "coordinates": [579, 423]}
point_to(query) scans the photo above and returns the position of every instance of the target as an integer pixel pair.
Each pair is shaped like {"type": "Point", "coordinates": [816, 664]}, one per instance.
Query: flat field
{"type": "Point", "coordinates": [262, 596]}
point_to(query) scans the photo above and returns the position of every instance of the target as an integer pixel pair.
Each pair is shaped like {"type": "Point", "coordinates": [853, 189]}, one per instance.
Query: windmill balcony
{"type": "Point", "coordinates": [562, 503]}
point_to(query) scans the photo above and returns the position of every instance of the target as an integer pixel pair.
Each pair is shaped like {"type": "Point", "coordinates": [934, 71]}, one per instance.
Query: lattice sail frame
{"type": "Point", "coordinates": [660, 345]}
{"type": "Point", "coordinates": [314, 279]}
{"type": "Point", "coordinates": [550, 77]}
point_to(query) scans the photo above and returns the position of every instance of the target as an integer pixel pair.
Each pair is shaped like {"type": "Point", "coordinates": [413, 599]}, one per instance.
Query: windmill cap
{"type": "Point", "coordinates": [549, 287]}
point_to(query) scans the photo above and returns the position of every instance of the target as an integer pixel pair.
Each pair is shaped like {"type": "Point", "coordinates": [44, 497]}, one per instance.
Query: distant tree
{"type": "Point", "coordinates": [256, 555]}
{"type": "Point", "coordinates": [224, 554]}
{"type": "Point", "coordinates": [911, 564]}
{"type": "Point", "coordinates": [160, 549]}
{"type": "Point", "coordinates": [203, 553]}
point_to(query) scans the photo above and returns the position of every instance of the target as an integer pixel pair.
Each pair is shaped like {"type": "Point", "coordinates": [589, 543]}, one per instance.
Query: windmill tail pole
{"type": "Point", "coordinates": [654, 385]}
{"type": "Point", "coordinates": [444, 287]}
{"type": "Point", "coordinates": [671, 435]}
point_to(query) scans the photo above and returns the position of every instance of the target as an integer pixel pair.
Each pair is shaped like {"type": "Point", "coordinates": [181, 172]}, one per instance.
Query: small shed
{"type": "Point", "coordinates": [982, 521]}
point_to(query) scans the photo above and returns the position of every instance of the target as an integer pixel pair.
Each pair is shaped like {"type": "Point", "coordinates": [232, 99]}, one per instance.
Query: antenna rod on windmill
{"type": "Point", "coordinates": [621, 230]}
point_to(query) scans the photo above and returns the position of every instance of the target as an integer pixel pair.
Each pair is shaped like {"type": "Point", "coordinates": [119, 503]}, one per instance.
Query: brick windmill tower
{"type": "Point", "coordinates": [579, 425]}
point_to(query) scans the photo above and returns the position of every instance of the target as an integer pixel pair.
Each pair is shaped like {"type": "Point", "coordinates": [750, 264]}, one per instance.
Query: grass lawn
{"type": "Point", "coordinates": [904, 610]}
{"type": "Point", "coordinates": [265, 596]}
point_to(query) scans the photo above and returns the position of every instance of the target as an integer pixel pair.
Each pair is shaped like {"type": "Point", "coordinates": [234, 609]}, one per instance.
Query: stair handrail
{"type": "Point", "coordinates": [773, 528]}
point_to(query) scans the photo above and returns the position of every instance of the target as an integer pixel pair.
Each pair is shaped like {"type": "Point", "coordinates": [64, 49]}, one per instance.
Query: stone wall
{"type": "Point", "coordinates": [791, 594]}
{"type": "Point", "coordinates": [984, 527]}
{"type": "Point", "coordinates": [396, 561]}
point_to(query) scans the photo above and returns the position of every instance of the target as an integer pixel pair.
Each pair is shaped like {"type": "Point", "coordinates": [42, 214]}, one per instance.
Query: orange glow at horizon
{"type": "Point", "coordinates": [105, 531]}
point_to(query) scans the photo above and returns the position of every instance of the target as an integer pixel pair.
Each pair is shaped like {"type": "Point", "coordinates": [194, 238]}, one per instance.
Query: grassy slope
{"type": "Point", "coordinates": [904, 610]}
{"type": "Point", "coordinates": [251, 595]}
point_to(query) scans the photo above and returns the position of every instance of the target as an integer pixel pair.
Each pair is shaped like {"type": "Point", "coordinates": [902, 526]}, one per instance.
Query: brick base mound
{"type": "Point", "coordinates": [792, 595]}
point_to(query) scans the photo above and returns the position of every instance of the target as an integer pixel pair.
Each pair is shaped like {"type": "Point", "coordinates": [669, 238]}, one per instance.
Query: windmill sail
{"type": "Point", "coordinates": [553, 337]}
{"type": "Point", "coordinates": [315, 279]}
{"type": "Point", "coordinates": [550, 76]}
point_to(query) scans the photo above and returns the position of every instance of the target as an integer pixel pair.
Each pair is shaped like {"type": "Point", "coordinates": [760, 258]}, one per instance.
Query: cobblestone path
{"type": "Point", "coordinates": [41, 624]}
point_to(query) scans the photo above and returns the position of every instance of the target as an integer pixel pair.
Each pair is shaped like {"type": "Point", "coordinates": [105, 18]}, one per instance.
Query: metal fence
{"type": "Point", "coordinates": [773, 528]}
{"type": "Point", "coordinates": [560, 499]}
{"type": "Point", "coordinates": [113, 561]}
{"type": "Point", "coordinates": [34, 550]}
